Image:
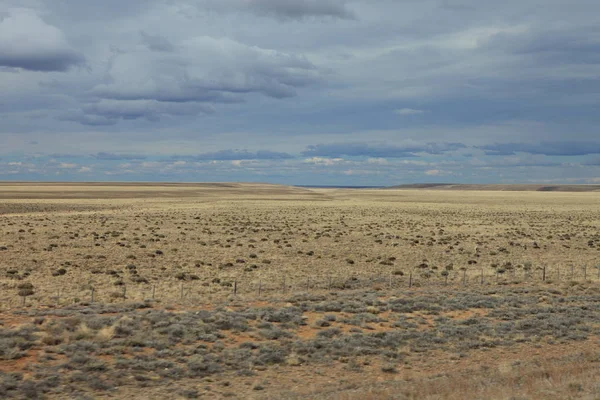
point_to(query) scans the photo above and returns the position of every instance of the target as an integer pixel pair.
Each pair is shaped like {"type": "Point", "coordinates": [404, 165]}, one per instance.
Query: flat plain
{"type": "Point", "coordinates": [263, 291]}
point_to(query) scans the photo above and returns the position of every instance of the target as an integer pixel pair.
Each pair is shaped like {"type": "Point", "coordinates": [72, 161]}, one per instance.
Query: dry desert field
{"type": "Point", "coordinates": [255, 291]}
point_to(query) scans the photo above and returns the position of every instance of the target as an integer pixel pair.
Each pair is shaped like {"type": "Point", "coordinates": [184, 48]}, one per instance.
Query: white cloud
{"type": "Point", "coordinates": [378, 161]}
{"type": "Point", "coordinates": [63, 165]}
{"type": "Point", "coordinates": [323, 161]}
{"type": "Point", "coordinates": [409, 111]}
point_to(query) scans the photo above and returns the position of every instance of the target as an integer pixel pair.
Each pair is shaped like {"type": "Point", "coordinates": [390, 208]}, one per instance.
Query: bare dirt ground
{"type": "Point", "coordinates": [265, 291]}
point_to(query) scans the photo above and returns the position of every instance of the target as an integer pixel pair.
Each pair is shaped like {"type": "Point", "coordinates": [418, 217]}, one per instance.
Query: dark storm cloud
{"type": "Point", "coordinates": [581, 43]}
{"type": "Point", "coordinates": [230, 155]}
{"type": "Point", "coordinates": [379, 150]}
{"type": "Point", "coordinates": [57, 60]}
{"type": "Point", "coordinates": [548, 148]}
{"type": "Point", "coordinates": [29, 43]}
{"type": "Point", "coordinates": [297, 9]}
{"type": "Point", "coordinates": [284, 9]}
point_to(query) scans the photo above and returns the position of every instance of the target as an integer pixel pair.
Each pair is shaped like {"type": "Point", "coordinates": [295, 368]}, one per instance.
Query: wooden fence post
{"type": "Point", "coordinates": [572, 272]}
{"type": "Point", "coordinates": [544, 273]}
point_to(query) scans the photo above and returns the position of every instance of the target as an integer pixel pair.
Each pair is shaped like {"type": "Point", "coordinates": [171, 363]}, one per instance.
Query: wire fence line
{"type": "Point", "coordinates": [195, 291]}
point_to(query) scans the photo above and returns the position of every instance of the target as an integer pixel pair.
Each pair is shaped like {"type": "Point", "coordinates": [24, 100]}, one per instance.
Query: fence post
{"type": "Point", "coordinates": [482, 276]}
{"type": "Point", "coordinates": [153, 290]}
{"type": "Point", "coordinates": [259, 287]}
{"type": "Point", "coordinates": [572, 272]}
{"type": "Point", "coordinates": [584, 272]}
{"type": "Point", "coordinates": [410, 280]}
{"type": "Point", "coordinates": [181, 290]}
{"type": "Point", "coordinates": [92, 295]}
{"type": "Point", "coordinates": [544, 273]}
{"type": "Point", "coordinates": [235, 287]}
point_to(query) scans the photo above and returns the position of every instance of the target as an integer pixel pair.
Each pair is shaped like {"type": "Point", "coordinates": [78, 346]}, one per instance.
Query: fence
{"type": "Point", "coordinates": [197, 292]}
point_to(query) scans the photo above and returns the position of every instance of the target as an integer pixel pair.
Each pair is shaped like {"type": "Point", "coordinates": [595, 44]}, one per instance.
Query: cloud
{"type": "Point", "coordinates": [156, 42]}
{"type": "Point", "coordinates": [284, 9]}
{"type": "Point", "coordinates": [569, 44]}
{"type": "Point", "coordinates": [85, 119]}
{"type": "Point", "coordinates": [152, 110]}
{"type": "Point", "coordinates": [379, 150]}
{"type": "Point", "coordinates": [544, 148]}
{"type": "Point", "coordinates": [323, 161]}
{"type": "Point", "coordinates": [63, 165]}
{"type": "Point", "coordinates": [84, 170]}
{"type": "Point", "coordinates": [409, 111]}
{"type": "Point", "coordinates": [117, 157]}
{"type": "Point", "coordinates": [63, 156]}
{"type": "Point", "coordinates": [378, 161]}
{"type": "Point", "coordinates": [190, 78]}
{"type": "Point", "coordinates": [398, 87]}
{"type": "Point", "coordinates": [205, 69]}
{"type": "Point", "coordinates": [29, 43]}
{"type": "Point", "coordinates": [236, 155]}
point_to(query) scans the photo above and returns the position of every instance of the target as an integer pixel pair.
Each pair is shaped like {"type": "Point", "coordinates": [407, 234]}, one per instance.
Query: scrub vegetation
{"type": "Point", "coordinates": [262, 291]}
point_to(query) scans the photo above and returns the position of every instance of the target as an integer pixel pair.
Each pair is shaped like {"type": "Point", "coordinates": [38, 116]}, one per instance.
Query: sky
{"type": "Point", "coordinates": [303, 92]}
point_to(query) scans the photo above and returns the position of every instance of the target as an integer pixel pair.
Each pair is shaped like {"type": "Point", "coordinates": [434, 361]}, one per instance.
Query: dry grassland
{"type": "Point", "coordinates": [265, 291]}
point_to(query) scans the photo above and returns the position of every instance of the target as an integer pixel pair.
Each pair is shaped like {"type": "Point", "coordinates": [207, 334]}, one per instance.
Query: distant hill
{"type": "Point", "coordinates": [500, 187]}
